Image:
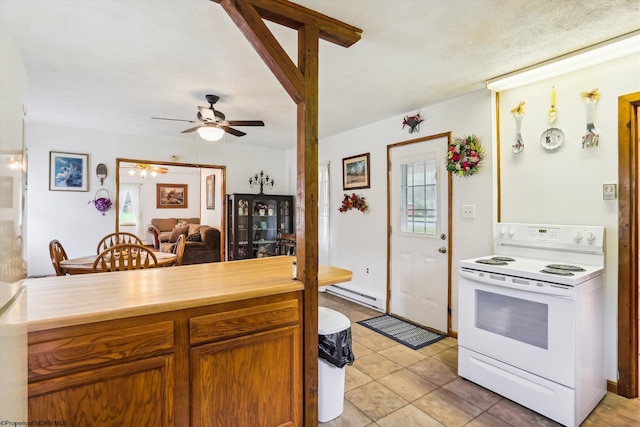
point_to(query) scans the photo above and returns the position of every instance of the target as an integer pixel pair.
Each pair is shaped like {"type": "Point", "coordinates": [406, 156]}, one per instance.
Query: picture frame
{"type": "Point", "coordinates": [68, 171]}
{"type": "Point", "coordinates": [211, 191]}
{"type": "Point", "coordinates": [172, 196]}
{"type": "Point", "coordinates": [355, 172]}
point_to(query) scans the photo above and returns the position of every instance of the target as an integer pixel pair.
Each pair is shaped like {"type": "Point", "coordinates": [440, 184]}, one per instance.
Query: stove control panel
{"type": "Point", "coordinates": [569, 238]}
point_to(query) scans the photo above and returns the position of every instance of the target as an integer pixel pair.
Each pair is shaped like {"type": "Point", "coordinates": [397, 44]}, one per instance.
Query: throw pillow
{"type": "Point", "coordinates": [195, 237]}
{"type": "Point", "coordinates": [193, 228]}
{"type": "Point", "coordinates": [177, 231]}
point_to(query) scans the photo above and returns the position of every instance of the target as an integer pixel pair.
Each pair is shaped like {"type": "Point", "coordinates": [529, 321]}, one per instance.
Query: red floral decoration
{"type": "Point", "coordinates": [353, 201]}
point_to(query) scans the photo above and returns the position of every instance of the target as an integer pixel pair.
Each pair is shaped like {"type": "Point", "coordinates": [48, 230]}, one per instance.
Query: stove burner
{"type": "Point", "coordinates": [492, 261]}
{"type": "Point", "coordinates": [502, 258]}
{"type": "Point", "coordinates": [557, 271]}
{"type": "Point", "coordinates": [566, 267]}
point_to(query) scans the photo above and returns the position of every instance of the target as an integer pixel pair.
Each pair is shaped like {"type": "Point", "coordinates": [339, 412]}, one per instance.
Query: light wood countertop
{"type": "Point", "coordinates": [54, 302]}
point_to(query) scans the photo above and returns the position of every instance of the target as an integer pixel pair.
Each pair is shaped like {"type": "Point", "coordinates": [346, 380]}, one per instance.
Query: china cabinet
{"type": "Point", "coordinates": [254, 221]}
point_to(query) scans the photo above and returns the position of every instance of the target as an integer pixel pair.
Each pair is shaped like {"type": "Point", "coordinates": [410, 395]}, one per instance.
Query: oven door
{"type": "Point", "coordinates": [518, 325]}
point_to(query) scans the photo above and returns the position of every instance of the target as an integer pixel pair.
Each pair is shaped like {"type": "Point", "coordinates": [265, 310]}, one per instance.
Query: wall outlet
{"type": "Point", "coordinates": [468, 211]}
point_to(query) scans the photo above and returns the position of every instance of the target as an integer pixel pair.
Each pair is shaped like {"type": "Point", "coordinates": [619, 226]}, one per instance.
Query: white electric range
{"type": "Point", "coordinates": [531, 318]}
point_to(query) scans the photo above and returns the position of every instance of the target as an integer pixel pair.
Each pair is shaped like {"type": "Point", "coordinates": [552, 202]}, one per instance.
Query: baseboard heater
{"type": "Point", "coordinates": [359, 297]}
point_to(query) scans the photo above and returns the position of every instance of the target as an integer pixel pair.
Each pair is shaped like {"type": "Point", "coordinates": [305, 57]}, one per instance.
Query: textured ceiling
{"type": "Point", "coordinates": [113, 65]}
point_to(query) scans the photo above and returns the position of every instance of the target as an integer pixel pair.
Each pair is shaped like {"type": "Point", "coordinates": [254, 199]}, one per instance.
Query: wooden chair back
{"type": "Point", "coordinates": [118, 238]}
{"type": "Point", "coordinates": [178, 249]}
{"type": "Point", "coordinates": [128, 256]}
{"type": "Point", "coordinates": [286, 244]}
{"type": "Point", "coordinates": [57, 254]}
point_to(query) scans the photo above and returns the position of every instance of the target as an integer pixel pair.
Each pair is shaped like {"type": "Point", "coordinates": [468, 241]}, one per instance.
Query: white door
{"type": "Point", "coordinates": [419, 211]}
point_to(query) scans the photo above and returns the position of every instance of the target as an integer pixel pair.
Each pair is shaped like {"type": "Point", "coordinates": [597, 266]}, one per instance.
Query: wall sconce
{"type": "Point", "coordinates": [262, 181]}
{"type": "Point", "coordinates": [101, 172]}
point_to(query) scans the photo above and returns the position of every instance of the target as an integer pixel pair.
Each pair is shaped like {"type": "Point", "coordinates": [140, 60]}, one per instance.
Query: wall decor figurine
{"type": "Point", "coordinates": [590, 99]}
{"type": "Point", "coordinates": [413, 122]}
{"type": "Point", "coordinates": [518, 114]}
{"type": "Point", "coordinates": [552, 138]}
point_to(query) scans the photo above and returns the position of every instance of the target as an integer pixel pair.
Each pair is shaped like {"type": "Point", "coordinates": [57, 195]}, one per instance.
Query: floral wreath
{"type": "Point", "coordinates": [464, 155]}
{"type": "Point", "coordinates": [353, 201]}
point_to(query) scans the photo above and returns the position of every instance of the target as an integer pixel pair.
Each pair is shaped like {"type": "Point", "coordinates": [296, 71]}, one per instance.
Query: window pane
{"type": "Point", "coordinates": [418, 210]}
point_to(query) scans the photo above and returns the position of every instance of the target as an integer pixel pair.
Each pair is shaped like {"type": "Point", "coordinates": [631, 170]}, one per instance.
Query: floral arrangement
{"type": "Point", "coordinates": [464, 155]}
{"type": "Point", "coordinates": [353, 201]}
{"type": "Point", "coordinates": [103, 204]}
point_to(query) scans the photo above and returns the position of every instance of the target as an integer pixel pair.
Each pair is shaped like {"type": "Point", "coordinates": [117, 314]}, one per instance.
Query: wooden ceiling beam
{"type": "Point", "coordinates": [250, 23]}
{"type": "Point", "coordinates": [295, 16]}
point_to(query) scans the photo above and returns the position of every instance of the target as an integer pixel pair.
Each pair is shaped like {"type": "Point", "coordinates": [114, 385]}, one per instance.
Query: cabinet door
{"type": "Point", "coordinates": [138, 393]}
{"type": "Point", "coordinates": [251, 381]}
{"type": "Point", "coordinates": [265, 225]}
{"type": "Point", "coordinates": [285, 214]}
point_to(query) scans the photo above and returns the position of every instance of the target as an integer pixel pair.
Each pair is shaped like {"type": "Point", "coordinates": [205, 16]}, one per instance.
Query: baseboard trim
{"type": "Point", "coordinates": [612, 386]}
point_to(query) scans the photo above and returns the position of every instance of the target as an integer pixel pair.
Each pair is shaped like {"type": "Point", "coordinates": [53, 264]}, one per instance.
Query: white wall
{"type": "Point", "coordinates": [68, 217]}
{"type": "Point", "coordinates": [359, 241]}
{"type": "Point", "coordinates": [564, 186]}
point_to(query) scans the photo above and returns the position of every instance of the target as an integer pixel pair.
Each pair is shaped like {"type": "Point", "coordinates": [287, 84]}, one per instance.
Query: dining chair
{"type": "Point", "coordinates": [128, 256]}
{"type": "Point", "coordinates": [178, 249]}
{"type": "Point", "coordinates": [57, 254]}
{"type": "Point", "coordinates": [286, 244]}
{"type": "Point", "coordinates": [117, 238]}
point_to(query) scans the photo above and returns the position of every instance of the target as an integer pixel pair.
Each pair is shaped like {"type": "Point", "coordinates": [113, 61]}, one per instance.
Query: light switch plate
{"type": "Point", "coordinates": [609, 191]}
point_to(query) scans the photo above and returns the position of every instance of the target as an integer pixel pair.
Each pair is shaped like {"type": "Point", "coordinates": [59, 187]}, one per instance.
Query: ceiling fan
{"type": "Point", "coordinates": [212, 123]}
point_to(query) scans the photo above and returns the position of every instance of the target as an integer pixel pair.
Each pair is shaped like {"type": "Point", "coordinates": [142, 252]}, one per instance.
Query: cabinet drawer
{"type": "Point", "coordinates": [90, 350]}
{"type": "Point", "coordinates": [215, 327]}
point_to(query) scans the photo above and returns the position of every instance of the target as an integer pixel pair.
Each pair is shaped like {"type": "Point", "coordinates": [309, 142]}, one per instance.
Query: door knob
{"type": "Point", "coordinates": [442, 250]}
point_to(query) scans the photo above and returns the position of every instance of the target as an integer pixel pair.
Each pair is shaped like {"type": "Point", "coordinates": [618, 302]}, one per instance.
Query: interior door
{"type": "Point", "coordinates": [419, 225]}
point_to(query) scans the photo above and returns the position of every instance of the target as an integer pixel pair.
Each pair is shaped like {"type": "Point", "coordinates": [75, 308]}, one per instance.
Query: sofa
{"type": "Point", "coordinates": [202, 241]}
{"type": "Point", "coordinates": [162, 229]}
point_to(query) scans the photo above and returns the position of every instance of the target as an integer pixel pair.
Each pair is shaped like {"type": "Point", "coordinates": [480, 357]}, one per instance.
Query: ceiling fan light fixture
{"type": "Point", "coordinates": [210, 133]}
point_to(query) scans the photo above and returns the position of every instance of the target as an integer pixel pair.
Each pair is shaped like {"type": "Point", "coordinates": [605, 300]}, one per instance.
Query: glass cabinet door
{"type": "Point", "coordinates": [265, 228]}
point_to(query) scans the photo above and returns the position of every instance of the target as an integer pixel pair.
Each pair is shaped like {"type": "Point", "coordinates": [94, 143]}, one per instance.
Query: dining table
{"type": "Point", "coordinates": [84, 264]}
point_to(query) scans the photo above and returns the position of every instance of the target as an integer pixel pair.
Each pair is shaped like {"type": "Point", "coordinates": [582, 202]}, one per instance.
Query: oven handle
{"type": "Point", "coordinates": [520, 284]}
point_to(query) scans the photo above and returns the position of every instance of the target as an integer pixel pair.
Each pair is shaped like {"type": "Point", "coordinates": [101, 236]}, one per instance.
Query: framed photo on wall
{"type": "Point", "coordinates": [211, 191]}
{"type": "Point", "coordinates": [68, 171]}
{"type": "Point", "coordinates": [355, 172]}
{"type": "Point", "coordinates": [172, 196]}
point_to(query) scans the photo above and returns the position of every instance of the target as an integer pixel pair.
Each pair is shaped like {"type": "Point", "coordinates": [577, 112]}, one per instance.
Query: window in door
{"type": "Point", "coordinates": [419, 203]}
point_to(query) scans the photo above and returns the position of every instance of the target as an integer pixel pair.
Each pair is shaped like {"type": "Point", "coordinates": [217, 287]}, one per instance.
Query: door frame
{"type": "Point", "coordinates": [447, 135]}
{"type": "Point", "coordinates": [628, 229]}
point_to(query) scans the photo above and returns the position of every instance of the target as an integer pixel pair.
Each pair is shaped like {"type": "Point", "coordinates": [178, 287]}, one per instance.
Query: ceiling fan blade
{"type": "Point", "coordinates": [232, 131]}
{"type": "Point", "coordinates": [175, 120]}
{"type": "Point", "coordinates": [207, 113]}
{"type": "Point", "coordinates": [191, 129]}
{"type": "Point", "coordinates": [245, 123]}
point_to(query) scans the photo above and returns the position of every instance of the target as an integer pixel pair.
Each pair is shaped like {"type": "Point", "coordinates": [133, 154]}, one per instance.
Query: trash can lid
{"type": "Point", "coordinates": [331, 321]}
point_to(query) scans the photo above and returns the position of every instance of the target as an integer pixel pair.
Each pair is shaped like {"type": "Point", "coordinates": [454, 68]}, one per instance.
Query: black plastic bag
{"type": "Point", "coordinates": [336, 348]}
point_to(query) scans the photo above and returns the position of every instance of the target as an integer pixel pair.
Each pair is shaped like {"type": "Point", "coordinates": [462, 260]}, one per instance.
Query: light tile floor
{"type": "Point", "coordinates": [390, 385]}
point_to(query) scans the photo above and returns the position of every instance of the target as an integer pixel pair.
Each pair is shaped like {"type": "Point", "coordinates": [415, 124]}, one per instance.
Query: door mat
{"type": "Point", "coordinates": [403, 332]}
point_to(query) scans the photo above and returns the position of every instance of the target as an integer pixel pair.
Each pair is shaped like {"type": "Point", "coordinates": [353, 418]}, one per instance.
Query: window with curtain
{"type": "Point", "coordinates": [129, 215]}
{"type": "Point", "coordinates": [324, 208]}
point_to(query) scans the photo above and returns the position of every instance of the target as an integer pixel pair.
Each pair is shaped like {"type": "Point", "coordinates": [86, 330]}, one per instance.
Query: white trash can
{"type": "Point", "coordinates": [330, 377]}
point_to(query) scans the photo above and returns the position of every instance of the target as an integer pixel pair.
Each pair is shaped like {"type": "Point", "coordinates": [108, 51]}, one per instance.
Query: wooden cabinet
{"type": "Point", "coordinates": [235, 364]}
{"type": "Point", "coordinates": [254, 221]}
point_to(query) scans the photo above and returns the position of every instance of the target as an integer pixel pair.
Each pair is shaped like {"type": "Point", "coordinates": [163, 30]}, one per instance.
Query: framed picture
{"type": "Point", "coordinates": [355, 172]}
{"type": "Point", "coordinates": [6, 192]}
{"type": "Point", "coordinates": [211, 192]}
{"type": "Point", "coordinates": [172, 196]}
{"type": "Point", "coordinates": [68, 171]}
